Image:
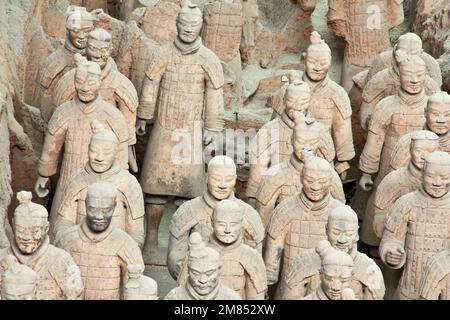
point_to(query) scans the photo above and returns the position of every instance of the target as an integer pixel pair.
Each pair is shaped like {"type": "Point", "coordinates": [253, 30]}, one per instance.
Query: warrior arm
{"type": "Point", "coordinates": [214, 109]}
{"type": "Point", "coordinates": [129, 253]}
{"type": "Point", "coordinates": [53, 143]}
{"type": "Point", "coordinates": [273, 255]}
{"type": "Point", "coordinates": [68, 276]}
{"type": "Point", "coordinates": [251, 293]}
{"type": "Point", "coordinates": [176, 253]}
{"type": "Point", "coordinates": [250, 16]}
{"type": "Point", "coordinates": [259, 160]}
{"type": "Point", "coordinates": [265, 210]}
{"type": "Point", "coordinates": [343, 138]}
{"type": "Point", "coordinates": [129, 113]}
{"type": "Point", "coordinates": [135, 228]}
{"type": "Point", "coordinates": [337, 190]}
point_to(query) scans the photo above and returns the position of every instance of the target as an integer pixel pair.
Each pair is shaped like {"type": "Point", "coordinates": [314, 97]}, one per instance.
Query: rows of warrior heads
{"type": "Point", "coordinates": [294, 232]}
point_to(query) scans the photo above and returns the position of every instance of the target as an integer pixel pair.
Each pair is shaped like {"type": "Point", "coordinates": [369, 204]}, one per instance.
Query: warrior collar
{"type": "Point", "coordinates": [314, 206]}
{"type": "Point", "coordinates": [315, 84]}
{"type": "Point", "coordinates": [90, 106]}
{"type": "Point", "coordinates": [188, 48]}
{"type": "Point", "coordinates": [211, 201]}
{"type": "Point", "coordinates": [195, 296]}
{"type": "Point", "coordinates": [415, 172]}
{"type": "Point", "coordinates": [220, 246]}
{"type": "Point", "coordinates": [71, 48]}
{"type": "Point", "coordinates": [115, 169]}
{"type": "Point", "coordinates": [295, 162]}
{"type": "Point", "coordinates": [92, 236]}
{"type": "Point", "coordinates": [412, 100]}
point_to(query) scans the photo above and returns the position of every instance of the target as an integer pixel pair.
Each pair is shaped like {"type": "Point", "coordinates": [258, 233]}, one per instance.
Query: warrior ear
{"type": "Point", "coordinates": [401, 56]}
{"type": "Point", "coordinates": [24, 197]}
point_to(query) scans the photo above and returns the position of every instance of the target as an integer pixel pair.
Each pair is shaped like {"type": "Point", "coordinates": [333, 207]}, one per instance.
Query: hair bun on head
{"type": "Point", "coordinates": [315, 37]}
{"type": "Point", "coordinates": [97, 126]}
{"type": "Point", "coordinates": [323, 248]}
{"type": "Point", "coordinates": [24, 197]}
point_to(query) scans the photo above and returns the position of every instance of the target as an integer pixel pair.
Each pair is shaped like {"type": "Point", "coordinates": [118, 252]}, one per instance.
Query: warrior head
{"type": "Point", "coordinates": [297, 97]}
{"type": "Point", "coordinates": [316, 179]}
{"type": "Point", "coordinates": [306, 137]}
{"type": "Point", "coordinates": [79, 23]}
{"type": "Point", "coordinates": [103, 148]}
{"type": "Point", "coordinates": [18, 280]}
{"type": "Point", "coordinates": [100, 205]}
{"type": "Point", "coordinates": [436, 174]}
{"type": "Point", "coordinates": [203, 266]}
{"type": "Point", "coordinates": [318, 58]}
{"type": "Point", "coordinates": [342, 229]}
{"type": "Point", "coordinates": [410, 43]}
{"type": "Point", "coordinates": [336, 272]}
{"type": "Point", "coordinates": [99, 46]}
{"type": "Point", "coordinates": [227, 221]}
{"type": "Point", "coordinates": [423, 142]}
{"type": "Point", "coordinates": [221, 177]}
{"type": "Point", "coordinates": [437, 113]}
{"type": "Point", "coordinates": [189, 23]}
{"type": "Point", "coordinates": [87, 79]}
{"type": "Point", "coordinates": [413, 71]}
{"type": "Point", "coordinates": [30, 224]}
{"type": "Point", "coordinates": [139, 287]}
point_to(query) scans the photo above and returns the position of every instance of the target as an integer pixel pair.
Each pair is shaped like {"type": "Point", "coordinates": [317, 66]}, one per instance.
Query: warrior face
{"type": "Point", "coordinates": [342, 234]}
{"type": "Point", "coordinates": [98, 51]}
{"type": "Point", "coordinates": [227, 223]}
{"type": "Point", "coordinates": [438, 117]}
{"type": "Point", "coordinates": [87, 85]}
{"type": "Point", "coordinates": [189, 26]}
{"type": "Point", "coordinates": [29, 233]}
{"type": "Point", "coordinates": [436, 179]}
{"type": "Point", "coordinates": [412, 77]}
{"type": "Point", "coordinates": [221, 180]}
{"type": "Point", "coordinates": [99, 212]}
{"type": "Point", "coordinates": [203, 276]}
{"type": "Point", "coordinates": [316, 184]}
{"type": "Point", "coordinates": [102, 154]}
{"type": "Point", "coordinates": [317, 64]}
{"type": "Point", "coordinates": [296, 101]}
{"type": "Point", "coordinates": [420, 149]}
{"type": "Point", "coordinates": [335, 278]}
{"type": "Point", "coordinates": [78, 35]}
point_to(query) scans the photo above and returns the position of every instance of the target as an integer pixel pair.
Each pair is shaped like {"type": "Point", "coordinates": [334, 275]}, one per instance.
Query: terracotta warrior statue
{"type": "Point", "coordinates": [329, 102]}
{"type": "Point", "coordinates": [196, 214]}
{"type": "Point", "coordinates": [102, 251]}
{"type": "Point", "coordinates": [303, 276]}
{"type": "Point", "coordinates": [139, 287]}
{"type": "Point", "coordinates": [285, 179]}
{"type": "Point", "coordinates": [70, 127]}
{"type": "Point", "coordinates": [203, 282]}
{"type": "Point", "coordinates": [393, 117]}
{"type": "Point", "coordinates": [437, 115]}
{"type": "Point", "coordinates": [336, 274]}
{"type": "Point", "coordinates": [365, 26]}
{"type": "Point", "coordinates": [402, 181]}
{"type": "Point", "coordinates": [386, 82]}
{"type": "Point", "coordinates": [298, 223]}
{"type": "Point", "coordinates": [417, 226]}
{"type": "Point", "coordinates": [9, 128]}
{"type": "Point", "coordinates": [242, 267]}
{"type": "Point", "coordinates": [435, 283]}
{"type": "Point", "coordinates": [18, 281]}
{"type": "Point", "coordinates": [58, 277]}
{"type": "Point", "coordinates": [115, 88]}
{"type": "Point", "coordinates": [184, 85]}
{"type": "Point", "coordinates": [273, 142]}
{"type": "Point", "coordinates": [78, 24]}
{"type": "Point", "coordinates": [103, 166]}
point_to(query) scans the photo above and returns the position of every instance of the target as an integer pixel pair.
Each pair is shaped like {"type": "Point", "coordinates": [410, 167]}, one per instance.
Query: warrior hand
{"type": "Point", "coordinates": [366, 182]}
{"type": "Point", "coordinates": [132, 159]}
{"type": "Point", "coordinates": [378, 224]}
{"type": "Point", "coordinates": [41, 187]}
{"type": "Point", "coordinates": [395, 255]}
{"type": "Point", "coordinates": [140, 127]}
{"type": "Point", "coordinates": [342, 169]}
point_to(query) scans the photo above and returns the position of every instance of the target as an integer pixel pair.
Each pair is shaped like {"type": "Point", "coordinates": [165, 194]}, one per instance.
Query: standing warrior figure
{"type": "Point", "coordinates": [298, 223]}
{"type": "Point", "coordinates": [196, 214]}
{"type": "Point", "coordinates": [58, 276]}
{"type": "Point", "coordinates": [436, 277]}
{"type": "Point", "coordinates": [329, 101]}
{"type": "Point", "coordinates": [102, 251]}
{"type": "Point", "coordinates": [70, 127]}
{"type": "Point", "coordinates": [102, 166]}
{"type": "Point", "coordinates": [387, 81]}
{"type": "Point", "coordinates": [393, 117]}
{"type": "Point", "coordinates": [184, 85]}
{"type": "Point", "coordinates": [79, 23]}
{"type": "Point", "coordinates": [8, 127]}
{"type": "Point", "coordinates": [273, 142]}
{"type": "Point", "coordinates": [203, 282]}
{"type": "Point", "coordinates": [336, 274]}
{"type": "Point", "coordinates": [18, 282]}
{"type": "Point", "coordinates": [285, 179]}
{"type": "Point", "coordinates": [402, 181]}
{"type": "Point", "coordinates": [115, 88]}
{"type": "Point", "coordinates": [437, 115]}
{"type": "Point", "coordinates": [139, 287]}
{"type": "Point", "coordinates": [364, 25]}
{"type": "Point", "coordinates": [242, 267]}
{"type": "Point", "coordinates": [418, 226]}
{"type": "Point", "coordinates": [303, 276]}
